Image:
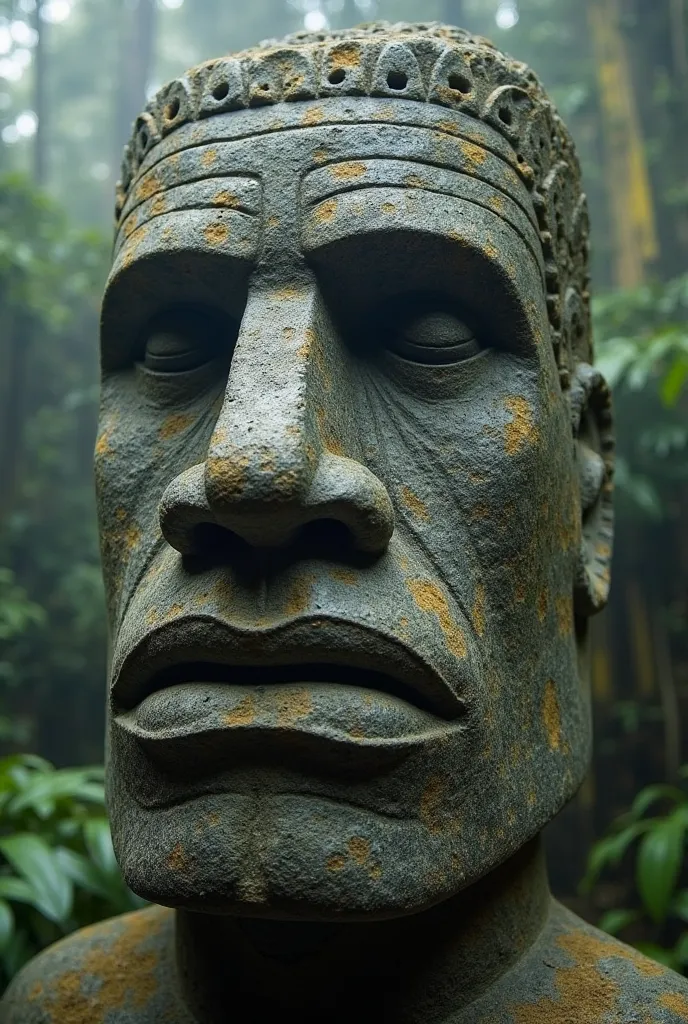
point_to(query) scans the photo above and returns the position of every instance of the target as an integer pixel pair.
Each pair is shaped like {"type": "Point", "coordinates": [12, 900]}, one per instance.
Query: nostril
{"type": "Point", "coordinates": [326, 539]}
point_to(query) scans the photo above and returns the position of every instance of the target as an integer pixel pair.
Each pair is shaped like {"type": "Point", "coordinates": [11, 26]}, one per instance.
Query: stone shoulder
{"type": "Point", "coordinates": [118, 970]}
{"type": "Point", "coordinates": [576, 974]}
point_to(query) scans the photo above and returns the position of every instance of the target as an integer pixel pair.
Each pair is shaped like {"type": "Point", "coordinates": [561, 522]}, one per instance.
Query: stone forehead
{"type": "Point", "coordinates": [429, 63]}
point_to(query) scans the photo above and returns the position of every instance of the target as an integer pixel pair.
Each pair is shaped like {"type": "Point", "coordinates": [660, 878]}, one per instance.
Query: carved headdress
{"type": "Point", "coordinates": [428, 63]}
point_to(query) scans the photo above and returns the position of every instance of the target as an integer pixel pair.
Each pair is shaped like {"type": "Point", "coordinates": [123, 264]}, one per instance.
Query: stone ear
{"type": "Point", "coordinates": [592, 423]}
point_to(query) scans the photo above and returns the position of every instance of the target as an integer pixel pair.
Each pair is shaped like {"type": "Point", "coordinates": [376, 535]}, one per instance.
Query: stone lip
{"type": "Point", "coordinates": [217, 724]}
{"type": "Point", "coordinates": [206, 649]}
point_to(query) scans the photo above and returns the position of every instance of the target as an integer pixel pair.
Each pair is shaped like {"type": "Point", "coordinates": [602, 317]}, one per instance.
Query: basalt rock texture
{"type": "Point", "coordinates": [354, 476]}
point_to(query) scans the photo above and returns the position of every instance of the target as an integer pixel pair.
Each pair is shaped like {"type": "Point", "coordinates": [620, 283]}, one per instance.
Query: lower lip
{"type": "Point", "coordinates": [329, 710]}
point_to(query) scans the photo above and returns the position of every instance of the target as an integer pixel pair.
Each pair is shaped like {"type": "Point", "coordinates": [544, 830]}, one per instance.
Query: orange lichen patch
{"type": "Point", "coordinates": [388, 208]}
{"type": "Point", "coordinates": [158, 206]}
{"type": "Point", "coordinates": [130, 225]}
{"type": "Point", "coordinates": [521, 430]}
{"type": "Point", "coordinates": [293, 706]}
{"type": "Point", "coordinates": [103, 447]}
{"type": "Point", "coordinates": [313, 116]}
{"type": "Point", "coordinates": [478, 612]}
{"type": "Point", "coordinates": [531, 799]}
{"type": "Point", "coordinates": [299, 595]}
{"type": "Point", "coordinates": [228, 476]}
{"type": "Point", "coordinates": [430, 598]}
{"type": "Point", "coordinates": [175, 424]}
{"type": "Point", "coordinates": [152, 616]}
{"type": "Point", "coordinates": [344, 576]}
{"type": "Point", "coordinates": [326, 211]}
{"type": "Point", "coordinates": [287, 292]}
{"type": "Point", "coordinates": [430, 805]}
{"type": "Point", "coordinates": [415, 181]}
{"type": "Point", "coordinates": [496, 202]}
{"type": "Point", "coordinates": [564, 608]}
{"type": "Point", "coordinates": [475, 155]}
{"type": "Point", "coordinates": [288, 333]}
{"type": "Point", "coordinates": [272, 221]}
{"type": "Point", "coordinates": [348, 171]}
{"type": "Point", "coordinates": [243, 714]}
{"type": "Point", "coordinates": [551, 715]}
{"type": "Point", "coordinates": [175, 610]}
{"type": "Point", "coordinates": [36, 992]}
{"type": "Point", "coordinates": [148, 187]}
{"type": "Point", "coordinates": [131, 538]}
{"type": "Point", "coordinates": [320, 155]}
{"type": "Point", "coordinates": [177, 859]}
{"type": "Point", "coordinates": [122, 965]}
{"type": "Point", "coordinates": [480, 511]}
{"type": "Point", "coordinates": [414, 504]}
{"type": "Point", "coordinates": [335, 862]}
{"type": "Point", "coordinates": [359, 849]}
{"type": "Point", "coordinates": [675, 1002]}
{"type": "Point", "coordinates": [346, 56]}
{"type": "Point", "coordinates": [387, 113]}
{"type": "Point", "coordinates": [208, 158]}
{"type": "Point", "coordinates": [216, 234]}
{"type": "Point", "coordinates": [375, 872]}
{"type": "Point", "coordinates": [227, 199]}
{"type": "Point", "coordinates": [541, 604]}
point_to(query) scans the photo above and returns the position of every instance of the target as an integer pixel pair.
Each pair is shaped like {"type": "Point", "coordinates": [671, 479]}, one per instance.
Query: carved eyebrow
{"type": "Point", "coordinates": [352, 175]}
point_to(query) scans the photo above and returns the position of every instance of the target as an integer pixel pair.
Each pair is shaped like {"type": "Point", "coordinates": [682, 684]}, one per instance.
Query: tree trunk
{"type": "Point", "coordinates": [39, 98]}
{"type": "Point", "coordinates": [136, 56]}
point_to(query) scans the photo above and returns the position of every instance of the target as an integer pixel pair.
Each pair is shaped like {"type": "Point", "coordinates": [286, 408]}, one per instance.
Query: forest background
{"type": "Point", "coordinates": [73, 75]}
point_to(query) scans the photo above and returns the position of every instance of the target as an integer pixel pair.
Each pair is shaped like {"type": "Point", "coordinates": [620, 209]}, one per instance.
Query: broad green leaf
{"type": "Point", "coordinates": [610, 850]}
{"type": "Point", "coordinates": [83, 872]}
{"type": "Point", "coordinates": [44, 790]}
{"type": "Point", "coordinates": [658, 866]}
{"type": "Point", "coordinates": [6, 923]}
{"type": "Point", "coordinates": [614, 921]}
{"type": "Point", "coordinates": [99, 845]}
{"type": "Point", "coordinates": [674, 381]}
{"type": "Point", "coordinates": [679, 904]}
{"type": "Point", "coordinates": [646, 797]}
{"type": "Point", "coordinates": [32, 858]}
{"type": "Point", "coordinates": [16, 889]}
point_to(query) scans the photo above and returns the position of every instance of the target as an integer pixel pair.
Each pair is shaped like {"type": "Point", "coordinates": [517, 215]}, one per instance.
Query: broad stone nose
{"type": "Point", "coordinates": [268, 471]}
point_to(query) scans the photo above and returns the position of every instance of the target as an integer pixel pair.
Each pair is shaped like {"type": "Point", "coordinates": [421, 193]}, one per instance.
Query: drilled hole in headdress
{"type": "Point", "coordinates": [221, 91]}
{"type": "Point", "coordinates": [505, 115]}
{"type": "Point", "coordinates": [172, 109]}
{"type": "Point", "coordinates": [337, 76]}
{"type": "Point", "coordinates": [459, 83]}
{"type": "Point", "coordinates": [397, 80]}
{"type": "Point", "coordinates": [264, 86]}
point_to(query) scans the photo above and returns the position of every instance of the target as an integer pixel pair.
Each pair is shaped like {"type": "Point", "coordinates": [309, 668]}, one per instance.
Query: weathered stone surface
{"type": "Point", "coordinates": [354, 475]}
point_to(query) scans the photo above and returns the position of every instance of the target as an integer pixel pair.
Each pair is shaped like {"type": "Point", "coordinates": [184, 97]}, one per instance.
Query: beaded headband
{"type": "Point", "coordinates": [428, 63]}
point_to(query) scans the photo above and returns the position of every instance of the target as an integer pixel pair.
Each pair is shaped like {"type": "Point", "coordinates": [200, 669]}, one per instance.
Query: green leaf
{"type": "Point", "coordinates": [674, 380]}
{"type": "Point", "coordinates": [658, 866]}
{"type": "Point", "coordinates": [16, 889]}
{"type": "Point", "coordinates": [32, 858]}
{"type": "Point", "coordinates": [99, 845]}
{"type": "Point", "coordinates": [6, 924]}
{"type": "Point", "coordinates": [681, 949]}
{"type": "Point", "coordinates": [646, 797]}
{"type": "Point", "coordinates": [83, 872]}
{"type": "Point", "coordinates": [614, 921]}
{"type": "Point", "coordinates": [44, 790]}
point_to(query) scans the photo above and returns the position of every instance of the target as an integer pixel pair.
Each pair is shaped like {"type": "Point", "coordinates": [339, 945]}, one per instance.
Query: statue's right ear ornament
{"type": "Point", "coordinates": [592, 422]}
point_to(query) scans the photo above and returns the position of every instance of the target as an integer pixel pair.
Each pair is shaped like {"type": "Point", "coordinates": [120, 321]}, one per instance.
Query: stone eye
{"type": "Point", "coordinates": [181, 340]}
{"type": "Point", "coordinates": [438, 338]}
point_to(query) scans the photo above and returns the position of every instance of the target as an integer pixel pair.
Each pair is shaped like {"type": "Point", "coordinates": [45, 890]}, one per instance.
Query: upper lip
{"type": "Point", "coordinates": [165, 654]}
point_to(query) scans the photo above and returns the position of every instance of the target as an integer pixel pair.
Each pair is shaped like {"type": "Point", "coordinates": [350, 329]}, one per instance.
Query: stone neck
{"type": "Point", "coordinates": [418, 969]}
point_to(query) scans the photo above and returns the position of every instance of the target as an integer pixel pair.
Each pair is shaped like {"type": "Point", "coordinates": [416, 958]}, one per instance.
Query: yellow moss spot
{"type": "Point", "coordinates": [148, 187]}
{"type": "Point", "coordinates": [531, 799]}
{"type": "Point", "coordinates": [475, 155]}
{"type": "Point", "coordinates": [227, 199]}
{"type": "Point", "coordinates": [174, 610]}
{"type": "Point", "coordinates": [564, 608]}
{"type": "Point", "coordinates": [208, 158]}
{"type": "Point", "coordinates": [130, 225]}
{"type": "Point", "coordinates": [158, 206]}
{"type": "Point", "coordinates": [35, 992]}
{"type": "Point", "coordinates": [299, 595]}
{"type": "Point", "coordinates": [359, 849]}
{"type": "Point", "coordinates": [243, 714]}
{"type": "Point", "coordinates": [286, 293]}
{"type": "Point", "coordinates": [344, 576]}
{"type": "Point", "coordinates": [430, 598]}
{"type": "Point", "coordinates": [348, 171]}
{"type": "Point", "coordinates": [415, 181]}
{"type": "Point", "coordinates": [496, 202]}
{"type": "Point", "coordinates": [320, 155]}
{"type": "Point", "coordinates": [326, 211]}
{"type": "Point", "coordinates": [152, 616]}
{"type": "Point", "coordinates": [228, 476]}
{"type": "Point", "coordinates": [521, 430]}
{"type": "Point", "coordinates": [676, 1002]}
{"type": "Point", "coordinates": [288, 333]}
{"type": "Point", "coordinates": [175, 424]}
{"type": "Point", "coordinates": [389, 208]}
{"type": "Point", "coordinates": [272, 221]}
{"type": "Point", "coordinates": [216, 234]}
{"type": "Point", "coordinates": [551, 715]}
{"type": "Point", "coordinates": [346, 56]}
{"type": "Point", "coordinates": [103, 448]}
{"type": "Point", "coordinates": [478, 613]}
{"type": "Point", "coordinates": [430, 805]}
{"type": "Point", "coordinates": [335, 862]}
{"type": "Point", "coordinates": [293, 706]}
{"type": "Point", "coordinates": [414, 504]}
{"type": "Point", "coordinates": [131, 537]}
{"type": "Point", "coordinates": [541, 604]}
{"type": "Point", "coordinates": [375, 872]}
{"type": "Point", "coordinates": [177, 859]}
{"type": "Point", "coordinates": [333, 445]}
{"type": "Point", "coordinates": [313, 116]}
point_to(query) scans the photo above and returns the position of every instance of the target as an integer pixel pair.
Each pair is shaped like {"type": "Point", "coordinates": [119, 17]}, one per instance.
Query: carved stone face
{"type": "Point", "coordinates": [342, 497]}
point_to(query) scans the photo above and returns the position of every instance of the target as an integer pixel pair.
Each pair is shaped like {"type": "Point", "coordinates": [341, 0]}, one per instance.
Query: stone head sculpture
{"type": "Point", "coordinates": [354, 481]}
